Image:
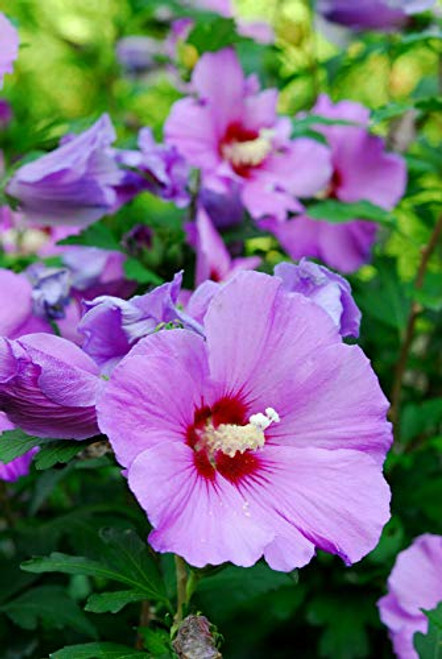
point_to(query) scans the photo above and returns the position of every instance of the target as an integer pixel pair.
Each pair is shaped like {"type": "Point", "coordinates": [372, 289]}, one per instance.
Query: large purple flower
{"type": "Point", "coordinates": [362, 170]}
{"type": "Point", "coordinates": [74, 184]}
{"type": "Point", "coordinates": [267, 438]}
{"type": "Point", "coordinates": [48, 386]}
{"type": "Point", "coordinates": [232, 133]}
{"type": "Point", "coordinates": [371, 14]}
{"type": "Point", "coordinates": [111, 326]}
{"type": "Point", "coordinates": [415, 583]}
{"type": "Point", "coordinates": [8, 46]}
{"type": "Point", "coordinates": [326, 288]}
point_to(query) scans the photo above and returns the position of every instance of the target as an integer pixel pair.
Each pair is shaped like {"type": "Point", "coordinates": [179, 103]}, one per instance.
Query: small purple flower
{"type": "Point", "coordinates": [328, 289]}
{"type": "Point", "coordinates": [265, 439]}
{"type": "Point", "coordinates": [13, 470]}
{"type": "Point", "coordinates": [48, 386]}
{"type": "Point", "coordinates": [111, 326]}
{"type": "Point", "coordinates": [224, 210]}
{"type": "Point", "coordinates": [213, 260]}
{"type": "Point", "coordinates": [94, 271]}
{"type": "Point", "coordinates": [362, 170]}
{"type": "Point", "coordinates": [8, 46]}
{"type": "Point", "coordinates": [136, 53]}
{"type": "Point", "coordinates": [5, 113]}
{"type": "Point", "coordinates": [371, 14]}
{"type": "Point", "coordinates": [50, 291]}
{"type": "Point", "coordinates": [231, 132]}
{"type": "Point", "coordinates": [415, 583]}
{"type": "Point", "coordinates": [19, 466]}
{"type": "Point", "coordinates": [74, 184]}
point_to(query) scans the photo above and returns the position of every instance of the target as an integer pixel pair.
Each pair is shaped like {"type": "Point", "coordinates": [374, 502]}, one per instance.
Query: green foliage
{"type": "Point", "coordinates": [429, 645]}
{"type": "Point", "coordinates": [213, 33]}
{"type": "Point", "coordinates": [51, 606]}
{"type": "Point", "coordinates": [98, 651]}
{"type": "Point", "coordinates": [124, 558]}
{"type": "Point", "coordinates": [337, 212]}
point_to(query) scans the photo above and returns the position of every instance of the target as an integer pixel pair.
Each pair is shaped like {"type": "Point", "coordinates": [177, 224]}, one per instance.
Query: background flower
{"type": "Point", "coordinates": [415, 583]}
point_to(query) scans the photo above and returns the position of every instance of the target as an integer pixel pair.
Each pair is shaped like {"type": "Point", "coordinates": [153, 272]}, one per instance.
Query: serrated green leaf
{"type": "Point", "coordinates": [337, 212]}
{"type": "Point", "coordinates": [213, 34]}
{"type": "Point", "coordinates": [429, 645]}
{"type": "Point", "coordinates": [124, 558]}
{"type": "Point", "coordinates": [14, 443]}
{"type": "Point", "coordinates": [50, 605]}
{"type": "Point", "coordinates": [58, 451]}
{"type": "Point", "coordinates": [97, 235]}
{"type": "Point", "coordinates": [113, 602]}
{"type": "Point", "coordinates": [98, 651]}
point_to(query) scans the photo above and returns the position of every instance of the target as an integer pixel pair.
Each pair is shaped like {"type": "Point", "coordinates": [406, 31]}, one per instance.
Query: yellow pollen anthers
{"type": "Point", "coordinates": [232, 439]}
{"type": "Point", "coordinates": [250, 153]}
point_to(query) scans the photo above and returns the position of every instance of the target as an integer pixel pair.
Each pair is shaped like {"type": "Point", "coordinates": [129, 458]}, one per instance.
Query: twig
{"type": "Point", "coordinates": [409, 331]}
{"type": "Point", "coordinates": [144, 621]}
{"type": "Point", "coordinates": [181, 584]}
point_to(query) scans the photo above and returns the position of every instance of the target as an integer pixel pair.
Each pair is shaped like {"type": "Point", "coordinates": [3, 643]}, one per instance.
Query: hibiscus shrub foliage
{"type": "Point", "coordinates": [220, 295]}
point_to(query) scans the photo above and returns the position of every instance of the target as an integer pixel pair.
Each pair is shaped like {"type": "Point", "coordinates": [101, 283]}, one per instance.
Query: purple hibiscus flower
{"type": "Point", "coordinates": [48, 386]}
{"type": "Point", "coordinates": [362, 170]}
{"type": "Point", "coordinates": [371, 14]}
{"type": "Point", "coordinates": [328, 289]}
{"type": "Point", "coordinates": [415, 583]}
{"type": "Point", "coordinates": [231, 132]}
{"type": "Point", "coordinates": [213, 260]}
{"type": "Point", "coordinates": [8, 46]}
{"type": "Point", "coordinates": [267, 438]}
{"type": "Point", "coordinates": [74, 184]}
{"type": "Point", "coordinates": [111, 326]}
{"type": "Point", "coordinates": [16, 307]}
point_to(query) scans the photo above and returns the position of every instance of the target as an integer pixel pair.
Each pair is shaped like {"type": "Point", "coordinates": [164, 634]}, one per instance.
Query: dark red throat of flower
{"type": "Point", "coordinates": [225, 411]}
{"type": "Point", "coordinates": [237, 134]}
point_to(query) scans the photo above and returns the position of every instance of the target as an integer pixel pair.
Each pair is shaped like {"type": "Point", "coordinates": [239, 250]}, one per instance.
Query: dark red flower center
{"type": "Point", "coordinates": [244, 148]}
{"type": "Point", "coordinates": [210, 423]}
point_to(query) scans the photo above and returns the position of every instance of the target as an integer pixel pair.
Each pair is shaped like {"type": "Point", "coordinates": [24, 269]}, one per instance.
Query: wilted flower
{"type": "Point", "coordinates": [74, 184]}
{"type": "Point", "coordinates": [48, 386]}
{"type": "Point", "coordinates": [156, 168]}
{"type": "Point", "coordinates": [232, 133]}
{"type": "Point", "coordinates": [111, 326]}
{"type": "Point", "coordinates": [371, 14]}
{"type": "Point", "coordinates": [8, 46]}
{"type": "Point", "coordinates": [267, 438]}
{"type": "Point", "coordinates": [50, 291]}
{"type": "Point", "coordinates": [326, 288]}
{"type": "Point", "coordinates": [362, 170]}
{"type": "Point", "coordinates": [415, 583]}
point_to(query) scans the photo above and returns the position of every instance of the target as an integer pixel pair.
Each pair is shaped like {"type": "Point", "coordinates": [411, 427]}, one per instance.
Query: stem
{"type": "Point", "coordinates": [144, 621]}
{"type": "Point", "coordinates": [5, 505]}
{"type": "Point", "coordinates": [409, 331]}
{"type": "Point", "coordinates": [181, 584]}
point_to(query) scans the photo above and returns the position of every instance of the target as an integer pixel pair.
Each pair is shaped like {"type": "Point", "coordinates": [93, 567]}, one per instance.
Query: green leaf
{"type": "Point", "coordinates": [57, 451]}
{"type": "Point", "coordinates": [50, 605]}
{"type": "Point", "coordinates": [338, 212]}
{"type": "Point", "coordinates": [98, 651]}
{"type": "Point", "coordinates": [14, 443]}
{"type": "Point", "coordinates": [113, 602]}
{"type": "Point", "coordinates": [429, 645]}
{"type": "Point", "coordinates": [124, 558]}
{"type": "Point", "coordinates": [157, 642]}
{"type": "Point", "coordinates": [97, 235]}
{"type": "Point", "coordinates": [133, 269]}
{"type": "Point", "coordinates": [212, 34]}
